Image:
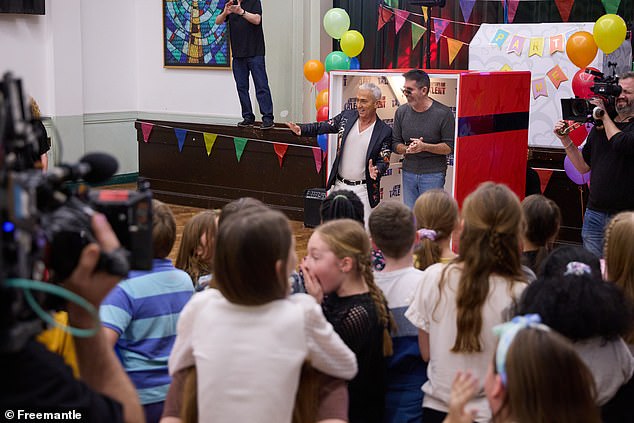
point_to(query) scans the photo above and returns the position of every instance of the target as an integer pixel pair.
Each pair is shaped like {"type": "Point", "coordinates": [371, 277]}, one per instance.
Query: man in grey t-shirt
{"type": "Point", "coordinates": [424, 133]}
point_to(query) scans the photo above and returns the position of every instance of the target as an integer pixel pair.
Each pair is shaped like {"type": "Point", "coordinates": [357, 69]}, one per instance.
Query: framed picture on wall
{"type": "Point", "coordinates": [191, 38]}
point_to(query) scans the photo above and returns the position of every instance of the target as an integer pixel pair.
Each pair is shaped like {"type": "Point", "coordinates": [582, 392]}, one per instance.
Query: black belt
{"type": "Point", "coordinates": [349, 182]}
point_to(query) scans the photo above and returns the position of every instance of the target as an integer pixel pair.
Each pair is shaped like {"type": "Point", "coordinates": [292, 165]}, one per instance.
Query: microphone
{"type": "Point", "coordinates": [92, 168]}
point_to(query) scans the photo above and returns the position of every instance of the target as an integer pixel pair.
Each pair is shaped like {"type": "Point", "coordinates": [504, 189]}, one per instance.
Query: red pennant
{"type": "Point", "coordinates": [564, 6]}
{"type": "Point", "coordinates": [319, 158]}
{"type": "Point", "coordinates": [384, 17]}
{"type": "Point", "coordinates": [512, 5]}
{"type": "Point", "coordinates": [280, 150]}
{"type": "Point", "coordinates": [400, 18]}
{"type": "Point", "coordinates": [544, 177]}
{"type": "Point", "coordinates": [146, 128]}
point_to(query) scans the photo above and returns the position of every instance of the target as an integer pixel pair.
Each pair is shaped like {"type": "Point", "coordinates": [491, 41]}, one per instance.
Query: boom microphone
{"type": "Point", "coordinates": [92, 168]}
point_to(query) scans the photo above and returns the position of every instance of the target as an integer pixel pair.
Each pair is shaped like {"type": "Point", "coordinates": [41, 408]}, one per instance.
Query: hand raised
{"type": "Point", "coordinates": [294, 128]}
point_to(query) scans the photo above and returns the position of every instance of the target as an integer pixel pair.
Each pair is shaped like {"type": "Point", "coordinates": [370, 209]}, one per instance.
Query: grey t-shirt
{"type": "Point", "coordinates": [436, 125]}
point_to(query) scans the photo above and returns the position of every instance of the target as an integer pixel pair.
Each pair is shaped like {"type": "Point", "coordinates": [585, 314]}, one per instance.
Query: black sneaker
{"type": "Point", "coordinates": [246, 123]}
{"type": "Point", "coordinates": [267, 125]}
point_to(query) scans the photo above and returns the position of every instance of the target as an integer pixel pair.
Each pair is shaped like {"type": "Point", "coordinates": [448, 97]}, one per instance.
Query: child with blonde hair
{"type": "Point", "coordinates": [436, 214]}
{"type": "Point", "coordinates": [338, 273]}
{"type": "Point", "coordinates": [196, 250]}
{"type": "Point", "coordinates": [457, 304]}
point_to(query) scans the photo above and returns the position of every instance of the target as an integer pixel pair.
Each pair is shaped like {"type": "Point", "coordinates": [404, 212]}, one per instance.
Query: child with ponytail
{"type": "Point", "coordinates": [338, 273]}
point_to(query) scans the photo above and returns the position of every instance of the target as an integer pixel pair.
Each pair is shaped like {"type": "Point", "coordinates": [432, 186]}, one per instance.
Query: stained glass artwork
{"type": "Point", "coordinates": [191, 37]}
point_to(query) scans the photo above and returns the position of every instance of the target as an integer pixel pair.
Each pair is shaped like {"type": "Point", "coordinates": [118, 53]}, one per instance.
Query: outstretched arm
{"type": "Point", "coordinates": [573, 153]}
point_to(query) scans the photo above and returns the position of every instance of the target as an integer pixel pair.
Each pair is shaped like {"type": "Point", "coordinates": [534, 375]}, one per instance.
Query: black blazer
{"type": "Point", "coordinates": [379, 150]}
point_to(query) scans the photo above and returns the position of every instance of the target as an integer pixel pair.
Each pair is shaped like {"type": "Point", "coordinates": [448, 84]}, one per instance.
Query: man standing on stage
{"type": "Point", "coordinates": [609, 153]}
{"type": "Point", "coordinates": [244, 18]}
{"type": "Point", "coordinates": [363, 147]}
{"type": "Point", "coordinates": [424, 133]}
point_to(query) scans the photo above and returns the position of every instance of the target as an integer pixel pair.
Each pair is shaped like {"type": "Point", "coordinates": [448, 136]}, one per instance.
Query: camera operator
{"type": "Point", "coordinates": [609, 153]}
{"type": "Point", "coordinates": [34, 379]}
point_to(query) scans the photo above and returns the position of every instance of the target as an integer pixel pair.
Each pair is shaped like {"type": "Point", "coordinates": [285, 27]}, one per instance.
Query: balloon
{"type": "Point", "coordinates": [609, 32]}
{"type": "Point", "coordinates": [313, 70]}
{"type": "Point", "coordinates": [324, 82]}
{"type": "Point", "coordinates": [578, 135]}
{"type": "Point", "coordinates": [354, 63]}
{"type": "Point", "coordinates": [322, 99]}
{"type": "Point", "coordinates": [322, 141]}
{"type": "Point", "coordinates": [581, 48]}
{"type": "Point", "coordinates": [322, 114]}
{"type": "Point", "coordinates": [352, 43]}
{"type": "Point", "coordinates": [582, 83]}
{"type": "Point", "coordinates": [336, 22]}
{"type": "Point", "coordinates": [574, 174]}
{"type": "Point", "coordinates": [337, 60]}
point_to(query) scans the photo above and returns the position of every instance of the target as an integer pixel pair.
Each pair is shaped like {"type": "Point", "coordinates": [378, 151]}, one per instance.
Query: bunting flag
{"type": "Point", "coordinates": [453, 47]}
{"type": "Point", "coordinates": [417, 34]}
{"type": "Point", "coordinates": [239, 143]}
{"type": "Point", "coordinates": [318, 156]}
{"type": "Point", "coordinates": [384, 17]}
{"type": "Point", "coordinates": [539, 88]}
{"type": "Point", "coordinates": [400, 17]}
{"type": "Point", "coordinates": [556, 76]}
{"type": "Point", "coordinates": [544, 177]}
{"type": "Point", "coordinates": [506, 68]}
{"type": "Point", "coordinates": [499, 37]}
{"type": "Point", "coordinates": [146, 128]}
{"type": "Point", "coordinates": [210, 140]}
{"type": "Point", "coordinates": [280, 150]}
{"type": "Point", "coordinates": [536, 46]}
{"type": "Point", "coordinates": [467, 7]}
{"type": "Point", "coordinates": [425, 13]}
{"type": "Point", "coordinates": [512, 9]}
{"type": "Point", "coordinates": [180, 136]}
{"type": "Point", "coordinates": [516, 45]}
{"type": "Point", "coordinates": [556, 44]}
{"type": "Point", "coordinates": [611, 6]}
{"type": "Point", "coordinates": [392, 3]}
{"type": "Point", "coordinates": [564, 7]}
{"type": "Point", "coordinates": [439, 27]}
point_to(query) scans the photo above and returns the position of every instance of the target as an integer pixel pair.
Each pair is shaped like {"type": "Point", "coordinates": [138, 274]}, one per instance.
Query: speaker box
{"type": "Point", "coordinates": [313, 198]}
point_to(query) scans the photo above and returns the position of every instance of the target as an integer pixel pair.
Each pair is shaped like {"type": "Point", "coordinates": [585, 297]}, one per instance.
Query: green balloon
{"type": "Point", "coordinates": [336, 22]}
{"type": "Point", "coordinates": [337, 60]}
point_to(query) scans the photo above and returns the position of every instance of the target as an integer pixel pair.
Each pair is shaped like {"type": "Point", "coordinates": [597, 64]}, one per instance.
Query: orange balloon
{"type": "Point", "coordinates": [581, 48]}
{"type": "Point", "coordinates": [322, 99]}
{"type": "Point", "coordinates": [313, 70]}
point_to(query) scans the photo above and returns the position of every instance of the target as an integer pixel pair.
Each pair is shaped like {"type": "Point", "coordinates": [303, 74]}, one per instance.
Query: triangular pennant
{"type": "Point", "coordinates": [180, 136]}
{"type": "Point", "coordinates": [384, 17]}
{"type": "Point", "coordinates": [400, 17]}
{"type": "Point", "coordinates": [425, 12]}
{"type": "Point", "coordinates": [318, 156]}
{"type": "Point", "coordinates": [556, 76]}
{"type": "Point", "coordinates": [280, 150]}
{"type": "Point", "coordinates": [466, 6]}
{"type": "Point", "coordinates": [210, 140]}
{"type": "Point", "coordinates": [439, 27]}
{"type": "Point", "coordinates": [239, 143]}
{"type": "Point", "coordinates": [611, 6]}
{"type": "Point", "coordinates": [539, 88]}
{"type": "Point", "coordinates": [392, 3]}
{"type": "Point", "coordinates": [544, 177]}
{"type": "Point", "coordinates": [146, 128]}
{"type": "Point", "coordinates": [453, 47]}
{"type": "Point", "coordinates": [417, 34]}
{"type": "Point", "coordinates": [512, 9]}
{"type": "Point", "coordinates": [564, 7]}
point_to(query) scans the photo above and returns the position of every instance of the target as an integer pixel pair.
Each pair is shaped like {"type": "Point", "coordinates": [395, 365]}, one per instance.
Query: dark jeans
{"type": "Point", "coordinates": [242, 66]}
{"type": "Point", "coordinates": [433, 416]}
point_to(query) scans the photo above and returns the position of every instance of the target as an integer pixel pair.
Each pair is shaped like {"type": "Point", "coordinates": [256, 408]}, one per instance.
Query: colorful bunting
{"type": "Point", "coordinates": [384, 17]}
{"type": "Point", "coordinates": [499, 37]}
{"type": "Point", "coordinates": [539, 88]}
{"type": "Point", "coordinates": [146, 128]}
{"type": "Point", "coordinates": [516, 45]}
{"type": "Point", "coordinates": [239, 143]}
{"type": "Point", "coordinates": [512, 9]}
{"type": "Point", "coordinates": [417, 33]}
{"type": "Point", "coordinates": [280, 150]}
{"type": "Point", "coordinates": [210, 140]}
{"type": "Point", "coordinates": [439, 27]}
{"type": "Point", "coordinates": [564, 7]}
{"type": "Point", "coordinates": [611, 6]}
{"type": "Point", "coordinates": [453, 47]}
{"type": "Point", "coordinates": [536, 46]}
{"type": "Point", "coordinates": [557, 76]}
{"type": "Point", "coordinates": [425, 13]}
{"type": "Point", "coordinates": [467, 7]}
{"type": "Point", "coordinates": [180, 136]}
{"type": "Point", "coordinates": [400, 17]}
{"type": "Point", "coordinates": [557, 43]}
{"type": "Point", "coordinates": [318, 156]}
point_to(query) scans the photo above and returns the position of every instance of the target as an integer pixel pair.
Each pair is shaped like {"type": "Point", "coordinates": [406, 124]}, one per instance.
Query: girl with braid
{"type": "Point", "coordinates": [338, 273]}
{"type": "Point", "coordinates": [457, 304]}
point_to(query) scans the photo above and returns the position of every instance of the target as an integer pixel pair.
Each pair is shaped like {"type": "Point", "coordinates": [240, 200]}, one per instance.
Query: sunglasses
{"type": "Point", "coordinates": [406, 91]}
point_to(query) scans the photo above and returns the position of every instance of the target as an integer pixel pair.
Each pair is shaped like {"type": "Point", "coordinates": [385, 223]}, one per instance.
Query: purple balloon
{"type": "Point", "coordinates": [574, 175]}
